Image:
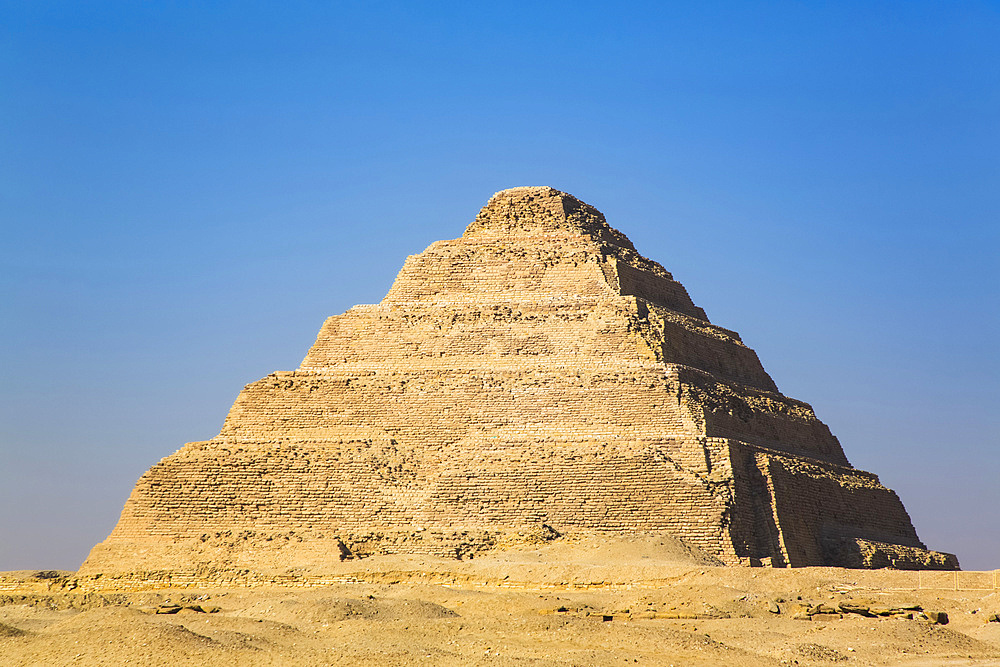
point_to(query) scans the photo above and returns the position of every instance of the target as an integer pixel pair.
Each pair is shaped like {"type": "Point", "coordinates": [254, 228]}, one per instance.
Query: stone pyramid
{"type": "Point", "coordinates": [534, 377]}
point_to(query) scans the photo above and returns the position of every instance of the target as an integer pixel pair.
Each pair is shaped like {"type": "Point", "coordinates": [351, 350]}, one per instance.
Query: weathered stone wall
{"type": "Point", "coordinates": [824, 512]}
{"type": "Point", "coordinates": [350, 487]}
{"type": "Point", "coordinates": [536, 371]}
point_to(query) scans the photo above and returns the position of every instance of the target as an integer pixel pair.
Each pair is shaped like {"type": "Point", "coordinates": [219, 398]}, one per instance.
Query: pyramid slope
{"type": "Point", "coordinates": [536, 373]}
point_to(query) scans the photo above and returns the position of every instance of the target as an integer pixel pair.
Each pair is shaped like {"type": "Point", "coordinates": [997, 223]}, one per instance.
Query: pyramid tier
{"type": "Point", "coordinates": [440, 405]}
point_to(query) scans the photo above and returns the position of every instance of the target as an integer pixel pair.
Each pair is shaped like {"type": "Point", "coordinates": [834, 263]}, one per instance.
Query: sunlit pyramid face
{"type": "Point", "coordinates": [536, 374]}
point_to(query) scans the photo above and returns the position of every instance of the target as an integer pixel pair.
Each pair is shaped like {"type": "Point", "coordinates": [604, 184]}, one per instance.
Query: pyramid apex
{"type": "Point", "coordinates": [541, 209]}
{"type": "Point", "coordinates": [531, 191]}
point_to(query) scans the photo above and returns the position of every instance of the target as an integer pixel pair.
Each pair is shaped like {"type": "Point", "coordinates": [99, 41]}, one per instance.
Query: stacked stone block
{"type": "Point", "coordinates": [536, 372]}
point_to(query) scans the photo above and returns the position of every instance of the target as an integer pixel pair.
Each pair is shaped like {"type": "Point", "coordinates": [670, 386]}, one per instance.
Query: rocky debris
{"type": "Point", "coordinates": [938, 617]}
{"type": "Point", "coordinates": [821, 611]}
{"type": "Point", "coordinates": [59, 602]}
{"type": "Point", "coordinates": [168, 608]}
{"type": "Point", "coordinates": [628, 614]}
{"type": "Point", "coordinates": [807, 611]}
{"type": "Point", "coordinates": [801, 613]}
{"type": "Point", "coordinates": [819, 652]}
{"type": "Point", "coordinates": [852, 608]}
{"type": "Point", "coordinates": [903, 611]}
{"type": "Point", "coordinates": [343, 551]}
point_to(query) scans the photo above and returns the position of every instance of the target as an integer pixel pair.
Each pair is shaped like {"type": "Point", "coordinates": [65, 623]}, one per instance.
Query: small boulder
{"type": "Point", "coordinates": [801, 613]}
{"type": "Point", "coordinates": [168, 608]}
{"type": "Point", "coordinates": [774, 608]}
{"type": "Point", "coordinates": [851, 608]}
{"type": "Point", "coordinates": [824, 609]}
{"type": "Point", "coordinates": [938, 617]}
{"type": "Point", "coordinates": [995, 618]}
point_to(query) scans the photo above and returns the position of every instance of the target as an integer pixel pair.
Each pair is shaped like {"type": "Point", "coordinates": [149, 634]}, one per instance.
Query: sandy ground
{"type": "Point", "coordinates": [640, 601]}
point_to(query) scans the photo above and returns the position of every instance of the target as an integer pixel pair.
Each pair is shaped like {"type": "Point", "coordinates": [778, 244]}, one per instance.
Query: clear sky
{"type": "Point", "coordinates": [187, 189]}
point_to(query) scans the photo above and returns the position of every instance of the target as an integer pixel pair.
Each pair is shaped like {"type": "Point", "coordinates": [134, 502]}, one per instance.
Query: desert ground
{"type": "Point", "coordinates": [646, 600]}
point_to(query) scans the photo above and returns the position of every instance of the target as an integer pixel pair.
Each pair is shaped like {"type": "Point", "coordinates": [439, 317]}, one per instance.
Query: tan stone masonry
{"type": "Point", "coordinates": [536, 374]}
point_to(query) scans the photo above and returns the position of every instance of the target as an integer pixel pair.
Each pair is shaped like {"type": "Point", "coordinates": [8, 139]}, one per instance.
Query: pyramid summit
{"type": "Point", "coordinates": [528, 211]}
{"type": "Point", "coordinates": [535, 376]}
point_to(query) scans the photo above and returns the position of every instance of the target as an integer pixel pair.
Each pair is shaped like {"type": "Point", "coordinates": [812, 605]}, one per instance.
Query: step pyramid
{"type": "Point", "coordinates": [535, 376]}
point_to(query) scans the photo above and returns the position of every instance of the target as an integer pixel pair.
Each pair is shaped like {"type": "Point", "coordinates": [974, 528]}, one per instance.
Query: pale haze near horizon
{"type": "Point", "coordinates": [187, 192]}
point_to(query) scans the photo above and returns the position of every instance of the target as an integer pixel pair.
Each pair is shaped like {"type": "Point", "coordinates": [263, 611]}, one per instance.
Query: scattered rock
{"type": "Point", "coordinates": [168, 608]}
{"type": "Point", "coordinates": [822, 609]}
{"type": "Point", "coordinates": [802, 613]}
{"type": "Point", "coordinates": [938, 617]}
{"type": "Point", "coordinates": [549, 533]}
{"type": "Point", "coordinates": [820, 652]}
{"type": "Point", "coordinates": [851, 608]}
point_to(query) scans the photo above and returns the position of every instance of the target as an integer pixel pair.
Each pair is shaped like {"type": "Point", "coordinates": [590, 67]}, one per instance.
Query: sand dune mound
{"type": "Point", "coordinates": [127, 623]}
{"type": "Point", "coordinates": [112, 635]}
{"type": "Point", "coordinates": [10, 631]}
{"type": "Point", "coordinates": [326, 610]}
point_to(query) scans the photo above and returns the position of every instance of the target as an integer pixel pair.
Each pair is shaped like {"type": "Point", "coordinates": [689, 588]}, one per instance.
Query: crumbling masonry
{"type": "Point", "coordinates": [536, 374]}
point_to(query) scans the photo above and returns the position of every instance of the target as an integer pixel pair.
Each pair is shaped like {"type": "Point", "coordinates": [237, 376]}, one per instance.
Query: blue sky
{"type": "Point", "coordinates": [188, 189]}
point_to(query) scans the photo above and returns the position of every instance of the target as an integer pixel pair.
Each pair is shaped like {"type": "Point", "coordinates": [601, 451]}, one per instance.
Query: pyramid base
{"type": "Point", "coordinates": [739, 503]}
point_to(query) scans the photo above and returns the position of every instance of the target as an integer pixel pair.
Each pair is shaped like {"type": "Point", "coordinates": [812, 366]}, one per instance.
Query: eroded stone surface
{"type": "Point", "coordinates": [537, 371]}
